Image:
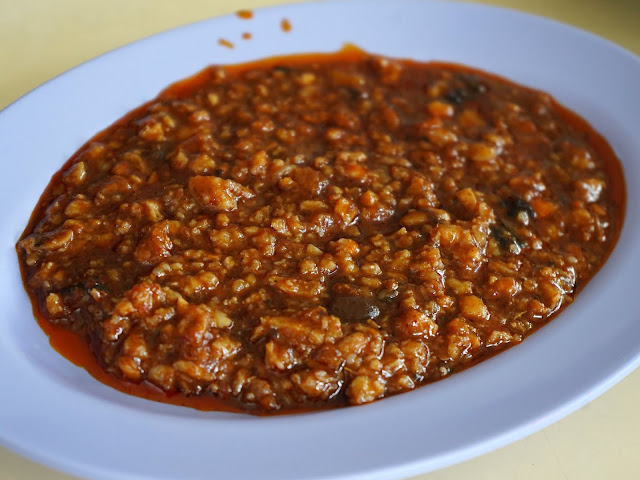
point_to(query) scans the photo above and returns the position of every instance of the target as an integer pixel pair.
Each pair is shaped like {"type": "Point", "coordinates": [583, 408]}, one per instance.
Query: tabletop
{"type": "Point", "coordinates": [40, 39]}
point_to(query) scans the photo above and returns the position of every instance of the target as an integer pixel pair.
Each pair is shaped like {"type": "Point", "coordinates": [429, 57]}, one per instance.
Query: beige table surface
{"type": "Point", "coordinates": [42, 38]}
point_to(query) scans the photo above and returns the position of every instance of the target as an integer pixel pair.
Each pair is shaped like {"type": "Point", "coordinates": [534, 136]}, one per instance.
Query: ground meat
{"type": "Point", "coordinates": [321, 231]}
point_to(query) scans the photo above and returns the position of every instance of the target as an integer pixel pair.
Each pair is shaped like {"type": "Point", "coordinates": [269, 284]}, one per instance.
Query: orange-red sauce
{"type": "Point", "coordinates": [245, 14]}
{"type": "Point", "coordinates": [76, 348]}
{"type": "Point", "coordinates": [225, 43]}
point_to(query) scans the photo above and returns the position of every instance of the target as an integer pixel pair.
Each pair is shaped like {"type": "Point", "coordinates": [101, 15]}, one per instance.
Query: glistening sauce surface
{"type": "Point", "coordinates": [315, 231]}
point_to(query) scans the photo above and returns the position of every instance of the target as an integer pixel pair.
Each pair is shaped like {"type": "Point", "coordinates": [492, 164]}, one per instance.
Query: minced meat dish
{"type": "Point", "coordinates": [321, 230]}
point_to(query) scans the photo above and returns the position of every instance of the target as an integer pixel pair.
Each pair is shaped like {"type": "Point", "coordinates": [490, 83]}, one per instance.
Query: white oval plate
{"type": "Point", "coordinates": [55, 413]}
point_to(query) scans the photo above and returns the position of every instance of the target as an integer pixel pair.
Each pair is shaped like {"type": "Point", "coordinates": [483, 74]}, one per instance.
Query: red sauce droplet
{"type": "Point", "coordinates": [225, 43]}
{"type": "Point", "coordinates": [285, 25]}
{"type": "Point", "coordinates": [246, 36]}
{"type": "Point", "coordinates": [245, 14]}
